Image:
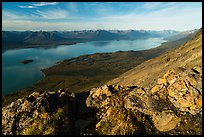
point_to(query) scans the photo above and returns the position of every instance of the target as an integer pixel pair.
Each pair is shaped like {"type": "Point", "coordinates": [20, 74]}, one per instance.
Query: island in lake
{"type": "Point", "coordinates": [27, 61]}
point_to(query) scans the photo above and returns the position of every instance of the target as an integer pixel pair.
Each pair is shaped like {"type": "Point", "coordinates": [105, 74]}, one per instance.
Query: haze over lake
{"type": "Point", "coordinates": [17, 76]}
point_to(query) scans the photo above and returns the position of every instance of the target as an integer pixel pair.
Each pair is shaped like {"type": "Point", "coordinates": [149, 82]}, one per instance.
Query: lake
{"type": "Point", "coordinates": [16, 75]}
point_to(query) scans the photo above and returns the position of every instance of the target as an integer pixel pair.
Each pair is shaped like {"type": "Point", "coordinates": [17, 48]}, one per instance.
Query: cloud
{"type": "Point", "coordinates": [161, 6]}
{"type": "Point", "coordinates": [159, 16]}
{"type": "Point", "coordinates": [28, 7]}
{"type": "Point", "coordinates": [36, 15]}
{"type": "Point", "coordinates": [23, 25]}
{"type": "Point", "coordinates": [53, 14]}
{"type": "Point", "coordinates": [40, 4]}
{"type": "Point", "coordinates": [12, 15]}
{"type": "Point", "coordinates": [45, 4]}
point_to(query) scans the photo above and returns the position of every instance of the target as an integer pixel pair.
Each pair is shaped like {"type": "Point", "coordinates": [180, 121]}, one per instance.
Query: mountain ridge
{"type": "Point", "coordinates": [22, 39]}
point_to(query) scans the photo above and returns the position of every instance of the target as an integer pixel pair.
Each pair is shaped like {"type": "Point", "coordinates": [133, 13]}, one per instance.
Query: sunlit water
{"type": "Point", "coordinates": [16, 76]}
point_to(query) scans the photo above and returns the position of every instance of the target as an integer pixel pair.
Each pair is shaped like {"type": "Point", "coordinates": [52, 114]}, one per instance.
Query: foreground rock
{"type": "Point", "coordinates": [53, 112]}
{"type": "Point", "coordinates": [183, 88]}
{"type": "Point", "coordinates": [176, 99]}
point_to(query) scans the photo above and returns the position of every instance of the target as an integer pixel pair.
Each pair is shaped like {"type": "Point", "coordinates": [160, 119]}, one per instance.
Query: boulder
{"type": "Point", "coordinates": [182, 87]}
{"type": "Point", "coordinates": [98, 96]}
{"type": "Point", "coordinates": [139, 100]}
{"type": "Point", "coordinates": [166, 121]}
{"type": "Point", "coordinates": [185, 92]}
{"type": "Point", "coordinates": [19, 117]}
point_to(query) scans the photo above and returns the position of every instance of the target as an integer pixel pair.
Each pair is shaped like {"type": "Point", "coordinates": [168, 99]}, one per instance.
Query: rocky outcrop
{"type": "Point", "coordinates": [34, 110]}
{"type": "Point", "coordinates": [52, 112]}
{"type": "Point", "coordinates": [176, 94]}
{"type": "Point", "coordinates": [183, 88]}
{"type": "Point", "coordinates": [114, 118]}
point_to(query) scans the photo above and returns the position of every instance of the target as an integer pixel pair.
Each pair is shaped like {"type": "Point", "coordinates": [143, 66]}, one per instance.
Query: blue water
{"type": "Point", "coordinates": [17, 76]}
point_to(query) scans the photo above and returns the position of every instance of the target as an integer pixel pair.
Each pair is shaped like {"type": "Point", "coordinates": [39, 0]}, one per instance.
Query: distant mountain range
{"type": "Point", "coordinates": [17, 39]}
{"type": "Point", "coordinates": [181, 35]}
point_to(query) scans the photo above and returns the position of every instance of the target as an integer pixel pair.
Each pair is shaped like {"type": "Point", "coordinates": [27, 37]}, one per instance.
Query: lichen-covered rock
{"type": "Point", "coordinates": [115, 116]}
{"type": "Point", "coordinates": [34, 110]}
{"type": "Point", "coordinates": [186, 91]}
{"type": "Point", "coordinates": [166, 121]}
{"type": "Point", "coordinates": [179, 90]}
{"type": "Point", "coordinates": [183, 87]}
{"type": "Point", "coordinates": [112, 114]}
{"type": "Point", "coordinates": [139, 100]}
{"type": "Point", "coordinates": [52, 112]}
{"type": "Point", "coordinates": [99, 96]}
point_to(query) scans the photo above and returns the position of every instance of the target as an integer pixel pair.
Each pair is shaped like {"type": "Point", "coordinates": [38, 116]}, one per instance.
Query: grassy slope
{"type": "Point", "coordinates": [187, 55]}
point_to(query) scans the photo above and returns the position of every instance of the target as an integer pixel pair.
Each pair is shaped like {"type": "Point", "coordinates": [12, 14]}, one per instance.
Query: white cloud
{"type": "Point", "coordinates": [38, 14]}
{"type": "Point", "coordinates": [22, 25]}
{"type": "Point", "coordinates": [53, 14]}
{"type": "Point", "coordinates": [40, 4]}
{"type": "Point", "coordinates": [135, 23]}
{"type": "Point", "coordinates": [12, 15]}
{"type": "Point", "coordinates": [44, 3]}
{"type": "Point", "coordinates": [159, 5]}
{"type": "Point", "coordinates": [28, 7]}
{"type": "Point", "coordinates": [178, 16]}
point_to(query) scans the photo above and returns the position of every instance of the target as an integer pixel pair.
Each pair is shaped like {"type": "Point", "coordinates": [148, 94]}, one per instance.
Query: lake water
{"type": "Point", "coordinates": [16, 76]}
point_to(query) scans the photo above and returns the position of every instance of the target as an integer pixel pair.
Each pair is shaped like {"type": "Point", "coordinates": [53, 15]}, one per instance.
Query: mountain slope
{"type": "Point", "coordinates": [181, 35]}
{"type": "Point", "coordinates": [146, 74]}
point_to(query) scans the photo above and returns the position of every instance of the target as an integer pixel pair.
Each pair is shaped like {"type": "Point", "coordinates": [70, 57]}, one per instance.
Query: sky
{"type": "Point", "coordinates": [68, 16]}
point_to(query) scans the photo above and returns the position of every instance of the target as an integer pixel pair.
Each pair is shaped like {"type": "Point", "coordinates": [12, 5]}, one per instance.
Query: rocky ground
{"type": "Point", "coordinates": [52, 112]}
{"type": "Point", "coordinates": [172, 106]}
